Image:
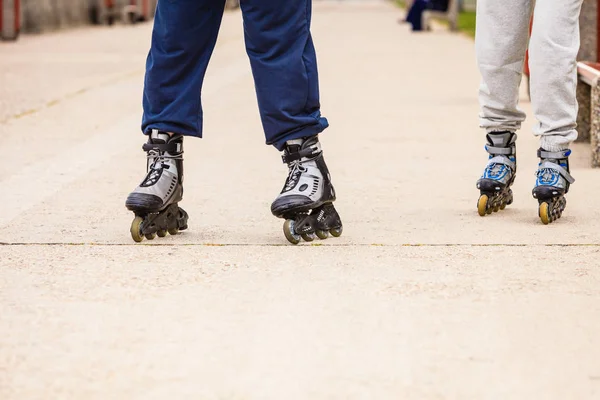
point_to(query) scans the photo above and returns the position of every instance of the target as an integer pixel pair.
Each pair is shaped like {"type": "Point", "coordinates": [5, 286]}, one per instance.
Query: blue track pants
{"type": "Point", "coordinates": [282, 57]}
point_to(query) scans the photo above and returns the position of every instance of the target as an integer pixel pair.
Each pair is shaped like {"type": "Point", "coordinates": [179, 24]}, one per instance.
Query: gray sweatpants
{"type": "Point", "coordinates": [501, 42]}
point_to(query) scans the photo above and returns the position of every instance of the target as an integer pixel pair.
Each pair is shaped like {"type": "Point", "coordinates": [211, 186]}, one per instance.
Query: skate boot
{"type": "Point", "coordinates": [306, 201]}
{"type": "Point", "coordinates": [552, 183]}
{"type": "Point", "coordinates": [154, 201]}
{"type": "Point", "coordinates": [499, 174]}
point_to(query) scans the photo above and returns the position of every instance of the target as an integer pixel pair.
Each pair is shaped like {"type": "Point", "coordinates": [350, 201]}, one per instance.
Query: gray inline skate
{"type": "Point", "coordinates": [499, 174]}
{"type": "Point", "coordinates": [553, 179]}
{"type": "Point", "coordinates": [155, 200]}
{"type": "Point", "coordinates": [306, 201]}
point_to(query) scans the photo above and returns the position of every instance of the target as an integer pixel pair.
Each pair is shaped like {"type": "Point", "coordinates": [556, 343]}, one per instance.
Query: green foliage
{"type": "Point", "coordinates": [466, 22]}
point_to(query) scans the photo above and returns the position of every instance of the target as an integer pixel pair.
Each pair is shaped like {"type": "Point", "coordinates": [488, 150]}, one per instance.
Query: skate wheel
{"type": "Point", "coordinates": [308, 237]}
{"type": "Point", "coordinates": [336, 232]}
{"type": "Point", "coordinates": [482, 205]}
{"type": "Point", "coordinates": [150, 236]}
{"type": "Point", "coordinates": [510, 199]}
{"type": "Point", "coordinates": [561, 206]}
{"type": "Point", "coordinates": [173, 231]}
{"type": "Point", "coordinates": [322, 234]}
{"type": "Point", "coordinates": [161, 233]}
{"type": "Point", "coordinates": [544, 213]}
{"type": "Point", "coordinates": [136, 229]}
{"type": "Point", "coordinates": [496, 208]}
{"type": "Point", "coordinates": [503, 206]}
{"type": "Point", "coordinates": [288, 231]}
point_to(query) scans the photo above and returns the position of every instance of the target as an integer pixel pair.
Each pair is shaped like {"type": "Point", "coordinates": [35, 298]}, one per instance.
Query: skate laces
{"type": "Point", "coordinates": [496, 170]}
{"type": "Point", "coordinates": [160, 160]}
{"type": "Point", "coordinates": [553, 169]}
{"type": "Point", "coordinates": [547, 176]}
{"type": "Point", "coordinates": [500, 165]}
{"type": "Point", "coordinates": [296, 170]}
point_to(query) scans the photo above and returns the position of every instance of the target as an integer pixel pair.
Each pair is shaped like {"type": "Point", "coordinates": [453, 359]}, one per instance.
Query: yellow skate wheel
{"type": "Point", "coordinates": [482, 205]}
{"type": "Point", "coordinates": [322, 234]}
{"type": "Point", "coordinates": [161, 233]}
{"type": "Point", "coordinates": [150, 236]}
{"type": "Point", "coordinates": [336, 232]}
{"type": "Point", "coordinates": [545, 213]}
{"type": "Point", "coordinates": [502, 206]}
{"type": "Point", "coordinates": [173, 231]}
{"type": "Point", "coordinates": [288, 231]}
{"type": "Point", "coordinates": [136, 231]}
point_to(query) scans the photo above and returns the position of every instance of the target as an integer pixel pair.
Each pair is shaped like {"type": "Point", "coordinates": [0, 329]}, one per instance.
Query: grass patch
{"type": "Point", "coordinates": [466, 22]}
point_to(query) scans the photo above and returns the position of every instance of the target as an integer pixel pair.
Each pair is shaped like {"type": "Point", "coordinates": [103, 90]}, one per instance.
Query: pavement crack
{"type": "Point", "coordinates": [75, 244]}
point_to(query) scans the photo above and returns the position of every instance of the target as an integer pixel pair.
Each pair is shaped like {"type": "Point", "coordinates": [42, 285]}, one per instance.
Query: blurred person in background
{"type": "Point", "coordinates": [502, 39]}
{"type": "Point", "coordinates": [418, 7]}
{"type": "Point", "coordinates": [284, 65]}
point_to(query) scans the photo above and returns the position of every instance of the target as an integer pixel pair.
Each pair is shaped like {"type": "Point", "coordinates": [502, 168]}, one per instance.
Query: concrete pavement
{"type": "Point", "coordinates": [419, 299]}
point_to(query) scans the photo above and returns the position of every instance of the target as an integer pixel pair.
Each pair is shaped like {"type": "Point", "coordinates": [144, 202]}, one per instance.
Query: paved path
{"type": "Point", "coordinates": [419, 299]}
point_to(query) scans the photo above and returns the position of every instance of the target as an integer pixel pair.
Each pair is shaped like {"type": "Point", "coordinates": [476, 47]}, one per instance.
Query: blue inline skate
{"type": "Point", "coordinates": [499, 174]}
{"type": "Point", "coordinates": [553, 179]}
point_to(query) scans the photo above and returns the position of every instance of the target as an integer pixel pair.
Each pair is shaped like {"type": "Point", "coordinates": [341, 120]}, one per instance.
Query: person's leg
{"type": "Point", "coordinates": [408, 5]}
{"type": "Point", "coordinates": [501, 42]}
{"type": "Point", "coordinates": [284, 65]}
{"type": "Point", "coordinates": [415, 14]}
{"type": "Point", "coordinates": [184, 36]}
{"type": "Point", "coordinates": [553, 64]}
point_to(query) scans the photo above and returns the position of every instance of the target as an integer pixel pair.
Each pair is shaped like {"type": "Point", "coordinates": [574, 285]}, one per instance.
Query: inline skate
{"type": "Point", "coordinates": [306, 200]}
{"type": "Point", "coordinates": [499, 174]}
{"type": "Point", "coordinates": [155, 200]}
{"type": "Point", "coordinates": [553, 179]}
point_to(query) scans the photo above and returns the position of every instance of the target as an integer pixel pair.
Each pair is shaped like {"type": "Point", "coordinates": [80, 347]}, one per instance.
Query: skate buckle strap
{"type": "Point", "coordinates": [502, 160]}
{"type": "Point", "coordinates": [556, 155]}
{"type": "Point", "coordinates": [499, 150]}
{"type": "Point", "coordinates": [308, 152]}
{"type": "Point", "coordinates": [556, 167]}
{"type": "Point", "coordinates": [172, 147]}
